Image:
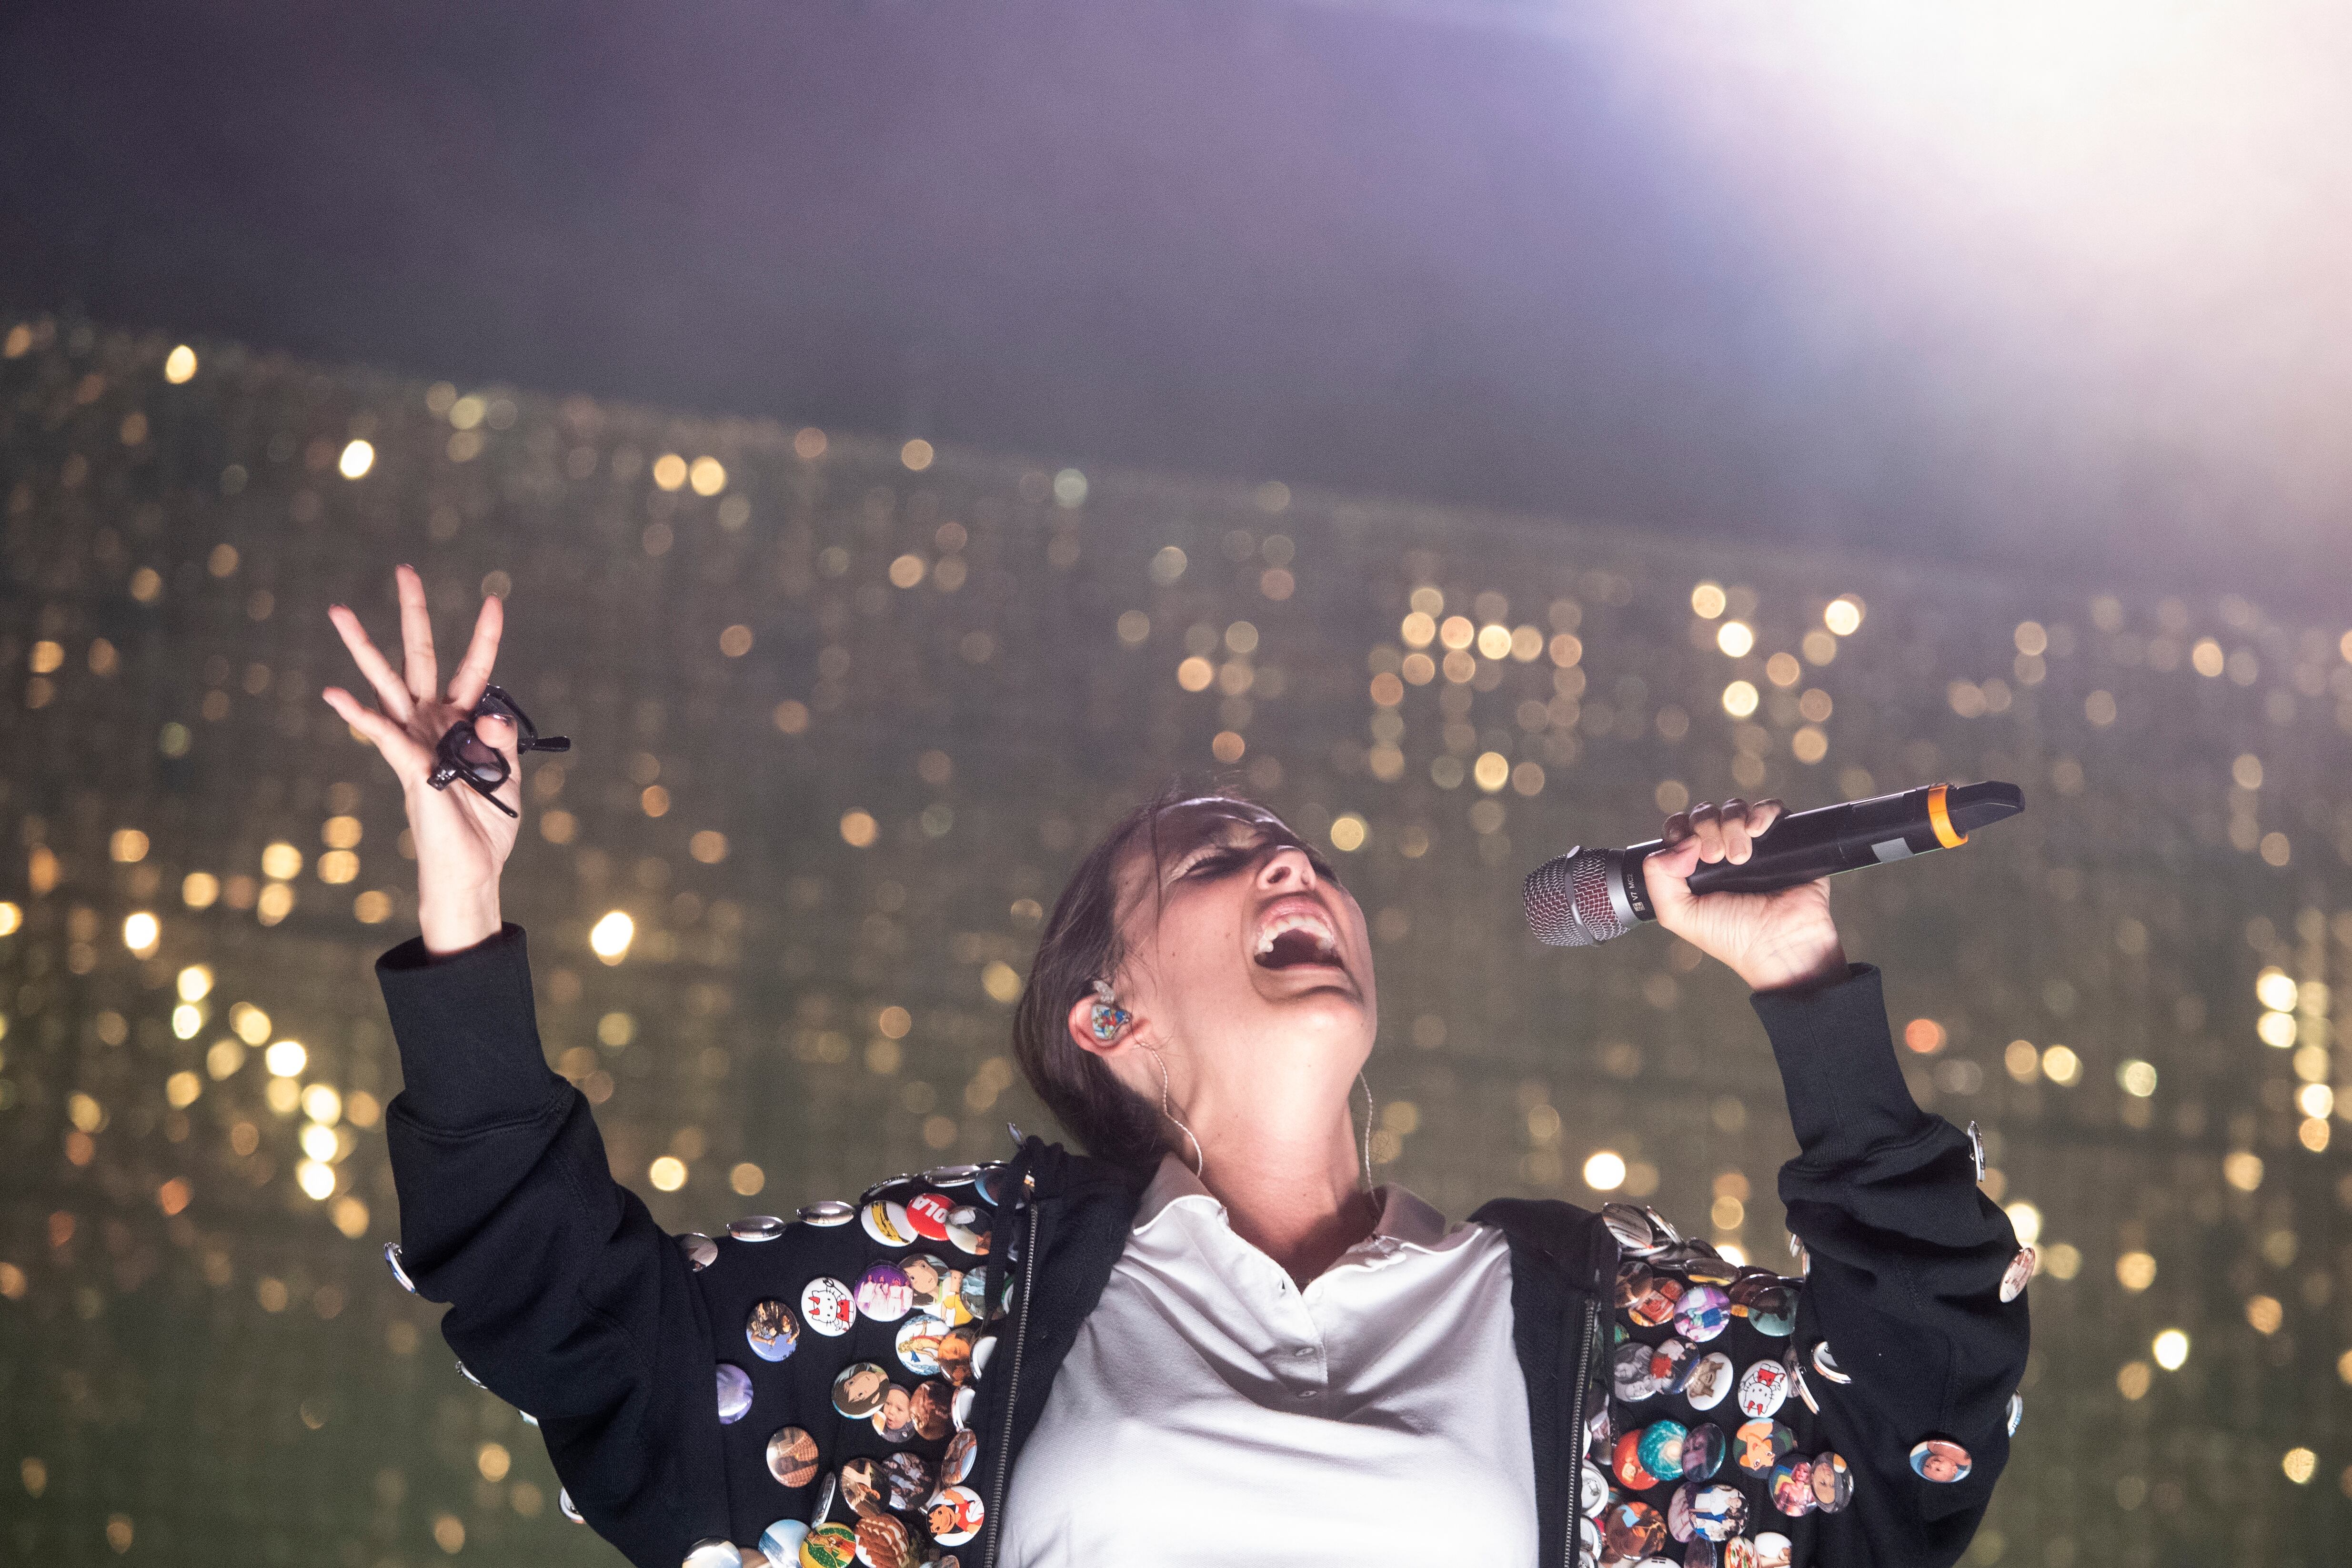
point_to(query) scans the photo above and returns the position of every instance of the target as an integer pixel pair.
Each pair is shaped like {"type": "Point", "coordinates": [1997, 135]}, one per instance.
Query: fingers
{"type": "Point", "coordinates": [1735, 847]}
{"type": "Point", "coordinates": [481, 654]}
{"type": "Point", "coordinates": [390, 689]}
{"type": "Point", "coordinates": [399, 747]}
{"type": "Point", "coordinates": [1678, 828]}
{"type": "Point", "coordinates": [417, 634]}
{"type": "Point", "coordinates": [1707, 825]}
{"type": "Point", "coordinates": [1726, 832]}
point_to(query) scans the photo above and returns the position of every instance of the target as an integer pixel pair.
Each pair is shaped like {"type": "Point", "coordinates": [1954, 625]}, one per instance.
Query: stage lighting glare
{"type": "Point", "coordinates": [195, 983]}
{"type": "Point", "coordinates": [2170, 1348]}
{"type": "Point", "coordinates": [1605, 1170]}
{"type": "Point", "coordinates": [2026, 1220]}
{"type": "Point", "coordinates": [2275, 990]}
{"type": "Point", "coordinates": [1843, 615]}
{"type": "Point", "coordinates": [1708, 601]}
{"type": "Point", "coordinates": [358, 458]}
{"type": "Point", "coordinates": [1735, 638]}
{"type": "Point", "coordinates": [141, 933]}
{"type": "Point", "coordinates": [610, 937]}
{"type": "Point", "coordinates": [180, 366]}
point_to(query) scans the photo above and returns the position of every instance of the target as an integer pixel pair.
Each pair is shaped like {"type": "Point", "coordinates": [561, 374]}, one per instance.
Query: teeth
{"type": "Point", "coordinates": [1296, 921]}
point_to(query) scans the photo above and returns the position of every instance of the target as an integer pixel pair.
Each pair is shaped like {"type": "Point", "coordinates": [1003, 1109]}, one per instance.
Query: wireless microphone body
{"type": "Point", "coordinates": [1587, 896]}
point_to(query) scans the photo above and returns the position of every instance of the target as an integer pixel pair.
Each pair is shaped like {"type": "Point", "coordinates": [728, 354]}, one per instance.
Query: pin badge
{"type": "Point", "coordinates": [826, 1213]}
{"type": "Point", "coordinates": [882, 1542]}
{"type": "Point", "coordinates": [2020, 1270]}
{"type": "Point", "coordinates": [1826, 1365]}
{"type": "Point", "coordinates": [968, 1228]}
{"type": "Point", "coordinates": [955, 1465]}
{"type": "Point", "coordinates": [932, 1408]}
{"type": "Point", "coordinates": [1938, 1460]}
{"type": "Point", "coordinates": [1833, 1482]}
{"type": "Point", "coordinates": [1758, 1446]}
{"type": "Point", "coordinates": [756, 1227]}
{"type": "Point", "coordinates": [919, 1345]}
{"type": "Point", "coordinates": [1717, 1512]}
{"type": "Point", "coordinates": [1710, 1380]}
{"type": "Point", "coordinates": [827, 1306]}
{"type": "Point", "coordinates": [700, 1251]}
{"type": "Point", "coordinates": [954, 1515]}
{"type": "Point", "coordinates": [928, 1213]}
{"type": "Point", "coordinates": [1626, 1462]}
{"type": "Point", "coordinates": [734, 1393]}
{"type": "Point", "coordinates": [954, 1354]}
{"type": "Point", "coordinates": [2016, 1412]}
{"type": "Point", "coordinates": [1632, 1530]}
{"type": "Point", "coordinates": [1704, 1312]}
{"type": "Point", "coordinates": [1704, 1446]}
{"type": "Point", "coordinates": [1592, 1494]}
{"type": "Point", "coordinates": [792, 1459]}
{"type": "Point", "coordinates": [1660, 1447]}
{"type": "Point", "coordinates": [1792, 1486]}
{"type": "Point", "coordinates": [906, 1481]}
{"type": "Point", "coordinates": [886, 1221]}
{"type": "Point", "coordinates": [1763, 1389]}
{"type": "Point", "coordinates": [773, 1331]}
{"type": "Point", "coordinates": [951, 1175]}
{"type": "Point", "coordinates": [393, 1260]}
{"type": "Point", "coordinates": [884, 1293]}
{"type": "Point", "coordinates": [959, 1411]}
{"type": "Point", "coordinates": [857, 1392]}
{"type": "Point", "coordinates": [782, 1542]}
{"type": "Point", "coordinates": [829, 1546]}
{"type": "Point", "coordinates": [861, 1486]}
{"type": "Point", "coordinates": [713, 1553]}
{"type": "Point", "coordinates": [570, 1509]}
{"type": "Point", "coordinates": [1804, 1389]}
{"type": "Point", "coordinates": [1774, 1551]}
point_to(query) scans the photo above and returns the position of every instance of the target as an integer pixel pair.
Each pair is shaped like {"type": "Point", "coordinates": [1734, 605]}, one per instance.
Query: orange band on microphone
{"type": "Point", "coordinates": [1939, 817]}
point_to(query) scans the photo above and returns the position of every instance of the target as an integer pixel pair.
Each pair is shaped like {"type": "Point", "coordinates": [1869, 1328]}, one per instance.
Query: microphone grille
{"type": "Point", "coordinates": [1568, 899]}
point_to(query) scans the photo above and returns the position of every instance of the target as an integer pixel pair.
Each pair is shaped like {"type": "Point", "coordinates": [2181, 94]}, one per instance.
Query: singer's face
{"type": "Point", "coordinates": [1248, 945]}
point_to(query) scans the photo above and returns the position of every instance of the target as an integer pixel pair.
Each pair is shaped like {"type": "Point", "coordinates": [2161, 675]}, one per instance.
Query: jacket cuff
{"type": "Point", "coordinates": [468, 1035]}
{"type": "Point", "coordinates": [1846, 1093]}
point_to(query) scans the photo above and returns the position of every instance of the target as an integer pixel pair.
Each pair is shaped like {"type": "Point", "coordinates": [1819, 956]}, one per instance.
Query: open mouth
{"type": "Point", "coordinates": [1295, 937]}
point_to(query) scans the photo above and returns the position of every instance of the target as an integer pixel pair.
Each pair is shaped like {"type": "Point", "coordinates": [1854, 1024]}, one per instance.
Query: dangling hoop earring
{"type": "Point", "coordinates": [1366, 1086]}
{"type": "Point", "coordinates": [1200, 1159]}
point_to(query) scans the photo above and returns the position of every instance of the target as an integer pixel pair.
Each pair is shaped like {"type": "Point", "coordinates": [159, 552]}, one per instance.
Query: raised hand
{"type": "Point", "coordinates": [1772, 939]}
{"type": "Point", "coordinates": [462, 840]}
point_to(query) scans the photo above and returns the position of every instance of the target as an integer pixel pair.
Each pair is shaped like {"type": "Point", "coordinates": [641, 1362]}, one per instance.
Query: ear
{"type": "Point", "coordinates": [1082, 1027]}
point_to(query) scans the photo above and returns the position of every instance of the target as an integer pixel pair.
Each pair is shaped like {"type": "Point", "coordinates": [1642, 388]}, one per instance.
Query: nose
{"type": "Point", "coordinates": [1287, 868]}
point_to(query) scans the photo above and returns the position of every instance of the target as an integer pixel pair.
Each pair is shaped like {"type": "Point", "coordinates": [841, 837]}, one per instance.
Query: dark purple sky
{"type": "Point", "coordinates": [1592, 272]}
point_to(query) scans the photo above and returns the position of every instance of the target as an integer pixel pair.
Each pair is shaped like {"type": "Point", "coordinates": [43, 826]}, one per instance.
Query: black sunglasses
{"type": "Point", "coordinates": [463, 754]}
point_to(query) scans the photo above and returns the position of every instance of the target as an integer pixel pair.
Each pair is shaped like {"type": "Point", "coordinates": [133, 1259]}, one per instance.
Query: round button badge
{"type": "Point", "coordinates": [919, 1345]}
{"type": "Point", "coordinates": [1774, 1551]}
{"type": "Point", "coordinates": [1763, 1388]}
{"type": "Point", "coordinates": [928, 1214]}
{"type": "Point", "coordinates": [955, 1465]}
{"type": "Point", "coordinates": [968, 1228]}
{"type": "Point", "coordinates": [1710, 1381]}
{"type": "Point", "coordinates": [884, 1293]}
{"type": "Point", "coordinates": [1758, 1446]}
{"type": "Point", "coordinates": [1833, 1482]}
{"type": "Point", "coordinates": [954, 1515]}
{"type": "Point", "coordinates": [932, 1408]}
{"type": "Point", "coordinates": [756, 1227]}
{"type": "Point", "coordinates": [1938, 1460]}
{"type": "Point", "coordinates": [1718, 1513]}
{"type": "Point", "coordinates": [1792, 1486]}
{"type": "Point", "coordinates": [857, 1392]}
{"type": "Point", "coordinates": [826, 1213]}
{"type": "Point", "coordinates": [1704, 1447]}
{"type": "Point", "coordinates": [700, 1251]}
{"type": "Point", "coordinates": [782, 1542]}
{"type": "Point", "coordinates": [827, 1306]}
{"type": "Point", "coordinates": [791, 1459]}
{"type": "Point", "coordinates": [713, 1553]}
{"type": "Point", "coordinates": [861, 1486]}
{"type": "Point", "coordinates": [393, 1260]}
{"type": "Point", "coordinates": [1626, 1462]}
{"type": "Point", "coordinates": [829, 1546]}
{"type": "Point", "coordinates": [886, 1221]}
{"type": "Point", "coordinates": [906, 1481]}
{"type": "Point", "coordinates": [1632, 1530]}
{"type": "Point", "coordinates": [2016, 1412]}
{"type": "Point", "coordinates": [2020, 1270]}
{"type": "Point", "coordinates": [734, 1393]}
{"type": "Point", "coordinates": [1704, 1312]}
{"type": "Point", "coordinates": [882, 1542]}
{"type": "Point", "coordinates": [1660, 1447]}
{"type": "Point", "coordinates": [1826, 1365]}
{"type": "Point", "coordinates": [774, 1334]}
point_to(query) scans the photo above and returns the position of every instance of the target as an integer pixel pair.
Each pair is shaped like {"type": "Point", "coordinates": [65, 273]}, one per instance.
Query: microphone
{"type": "Point", "coordinates": [1587, 896]}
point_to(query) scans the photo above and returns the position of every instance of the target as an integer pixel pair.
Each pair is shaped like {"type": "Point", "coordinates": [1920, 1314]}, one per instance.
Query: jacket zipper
{"type": "Point", "coordinates": [1576, 1439]}
{"type": "Point", "coordinates": [995, 1521]}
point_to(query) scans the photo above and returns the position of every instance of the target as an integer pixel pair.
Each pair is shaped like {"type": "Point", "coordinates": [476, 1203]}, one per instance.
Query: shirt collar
{"type": "Point", "coordinates": [1405, 1219]}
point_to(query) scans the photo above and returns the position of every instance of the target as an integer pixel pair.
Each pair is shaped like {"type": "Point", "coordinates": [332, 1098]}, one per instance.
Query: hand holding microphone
{"type": "Point", "coordinates": [1770, 939]}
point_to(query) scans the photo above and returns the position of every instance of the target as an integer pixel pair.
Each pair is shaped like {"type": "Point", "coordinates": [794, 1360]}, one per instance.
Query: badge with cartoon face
{"type": "Point", "coordinates": [1938, 1460]}
{"type": "Point", "coordinates": [1758, 1446]}
{"type": "Point", "coordinates": [1704, 1446]}
{"type": "Point", "coordinates": [773, 1331]}
{"type": "Point", "coordinates": [1710, 1382]}
{"type": "Point", "coordinates": [827, 1306]}
{"type": "Point", "coordinates": [907, 1480]}
{"type": "Point", "coordinates": [939, 1289]}
{"type": "Point", "coordinates": [2020, 1270]}
{"type": "Point", "coordinates": [1763, 1388]}
{"type": "Point", "coordinates": [857, 1392]}
{"type": "Point", "coordinates": [1792, 1486]}
{"type": "Point", "coordinates": [933, 1409]}
{"type": "Point", "coordinates": [954, 1516]}
{"type": "Point", "coordinates": [1704, 1312]}
{"type": "Point", "coordinates": [1833, 1483]}
{"type": "Point", "coordinates": [792, 1456]}
{"type": "Point", "coordinates": [883, 1293]}
{"type": "Point", "coordinates": [829, 1546]}
{"type": "Point", "coordinates": [734, 1393]}
{"type": "Point", "coordinates": [1632, 1530]}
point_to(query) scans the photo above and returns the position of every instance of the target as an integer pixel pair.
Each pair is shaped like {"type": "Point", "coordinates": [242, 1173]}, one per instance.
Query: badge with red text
{"type": "Point", "coordinates": [928, 1214]}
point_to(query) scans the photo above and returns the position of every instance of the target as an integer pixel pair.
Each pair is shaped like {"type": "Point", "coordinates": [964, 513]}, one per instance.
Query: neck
{"type": "Point", "coordinates": [1289, 1188]}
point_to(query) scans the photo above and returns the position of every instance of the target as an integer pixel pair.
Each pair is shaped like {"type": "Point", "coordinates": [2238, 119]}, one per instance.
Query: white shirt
{"type": "Point", "coordinates": [1212, 1412]}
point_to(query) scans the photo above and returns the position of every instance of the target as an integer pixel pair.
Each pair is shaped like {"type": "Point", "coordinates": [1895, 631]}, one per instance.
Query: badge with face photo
{"type": "Point", "coordinates": [1661, 1449]}
{"type": "Point", "coordinates": [1704, 1312]}
{"type": "Point", "coordinates": [781, 1542]}
{"type": "Point", "coordinates": [954, 1354]}
{"type": "Point", "coordinates": [1937, 1460]}
{"type": "Point", "coordinates": [734, 1393]}
{"type": "Point", "coordinates": [883, 1293]}
{"type": "Point", "coordinates": [1769, 1307]}
{"type": "Point", "coordinates": [886, 1221]}
{"type": "Point", "coordinates": [1704, 1446]}
{"type": "Point", "coordinates": [1626, 1462]}
{"type": "Point", "coordinates": [1792, 1486]}
{"type": "Point", "coordinates": [955, 1465]}
{"type": "Point", "coordinates": [772, 1330]}
{"type": "Point", "coordinates": [861, 1487]}
{"type": "Point", "coordinates": [792, 1456]}
{"type": "Point", "coordinates": [1833, 1483]}
{"type": "Point", "coordinates": [1632, 1530]}
{"type": "Point", "coordinates": [829, 1546]}
{"type": "Point", "coordinates": [895, 1418]}
{"type": "Point", "coordinates": [1710, 1381]}
{"type": "Point", "coordinates": [857, 1392]}
{"type": "Point", "coordinates": [827, 1306]}
{"type": "Point", "coordinates": [938, 1290]}
{"type": "Point", "coordinates": [1774, 1551]}
{"type": "Point", "coordinates": [907, 1480]}
{"type": "Point", "coordinates": [1592, 1490]}
{"type": "Point", "coordinates": [928, 1214]}
{"type": "Point", "coordinates": [954, 1516]}
{"type": "Point", "coordinates": [968, 1230]}
{"type": "Point", "coordinates": [882, 1542]}
{"type": "Point", "coordinates": [1763, 1388]}
{"type": "Point", "coordinates": [933, 1408]}
{"type": "Point", "coordinates": [919, 1345]}
{"type": "Point", "coordinates": [2020, 1270]}
{"type": "Point", "coordinates": [1718, 1512]}
{"type": "Point", "coordinates": [1758, 1446]}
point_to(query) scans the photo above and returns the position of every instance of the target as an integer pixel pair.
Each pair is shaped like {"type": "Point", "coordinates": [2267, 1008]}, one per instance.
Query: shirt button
{"type": "Point", "coordinates": [1304, 1350]}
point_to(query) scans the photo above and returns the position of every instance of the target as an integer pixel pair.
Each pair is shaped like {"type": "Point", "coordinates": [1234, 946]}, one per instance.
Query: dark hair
{"type": "Point", "coordinates": [1083, 943]}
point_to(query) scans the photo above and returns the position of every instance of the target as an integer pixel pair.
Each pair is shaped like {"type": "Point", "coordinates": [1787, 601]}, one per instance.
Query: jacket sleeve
{"type": "Point", "coordinates": [565, 1297]}
{"type": "Point", "coordinates": [1908, 1255]}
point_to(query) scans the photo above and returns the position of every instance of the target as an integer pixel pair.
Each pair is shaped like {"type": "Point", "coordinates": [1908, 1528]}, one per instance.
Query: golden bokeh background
{"type": "Point", "coordinates": [845, 713]}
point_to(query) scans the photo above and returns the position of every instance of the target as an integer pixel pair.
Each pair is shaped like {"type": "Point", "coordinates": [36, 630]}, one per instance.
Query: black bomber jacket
{"type": "Point", "coordinates": [567, 1299]}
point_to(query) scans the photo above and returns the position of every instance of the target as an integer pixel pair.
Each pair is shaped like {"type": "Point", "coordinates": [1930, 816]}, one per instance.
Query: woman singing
{"type": "Point", "coordinates": [1209, 1338]}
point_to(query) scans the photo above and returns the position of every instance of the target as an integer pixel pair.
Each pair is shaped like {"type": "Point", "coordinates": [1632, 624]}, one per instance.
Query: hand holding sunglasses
{"type": "Point", "coordinates": [431, 737]}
